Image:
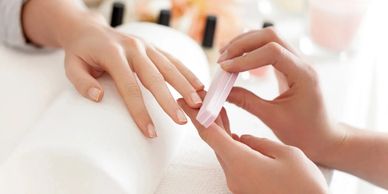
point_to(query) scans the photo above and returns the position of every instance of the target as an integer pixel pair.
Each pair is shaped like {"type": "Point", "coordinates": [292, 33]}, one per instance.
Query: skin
{"type": "Point", "coordinates": [255, 165]}
{"type": "Point", "coordinates": [298, 115]}
{"type": "Point", "coordinates": [252, 165]}
{"type": "Point", "coordinates": [93, 48]}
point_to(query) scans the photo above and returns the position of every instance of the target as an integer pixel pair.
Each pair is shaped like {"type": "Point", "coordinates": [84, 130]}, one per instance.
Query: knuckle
{"type": "Point", "coordinates": [113, 48]}
{"type": "Point", "coordinates": [133, 42]}
{"type": "Point", "coordinates": [312, 75]}
{"type": "Point", "coordinates": [272, 34]}
{"type": "Point", "coordinates": [169, 69]}
{"type": "Point", "coordinates": [294, 151]}
{"type": "Point", "coordinates": [154, 81]}
{"type": "Point", "coordinates": [275, 47]}
{"type": "Point", "coordinates": [242, 101]}
{"type": "Point", "coordinates": [132, 92]}
{"type": "Point", "coordinates": [276, 50]}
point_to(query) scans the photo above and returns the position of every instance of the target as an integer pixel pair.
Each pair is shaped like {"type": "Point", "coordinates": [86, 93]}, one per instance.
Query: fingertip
{"type": "Point", "coordinates": [181, 117]}
{"type": "Point", "coordinates": [235, 137]}
{"type": "Point", "coordinates": [245, 138]}
{"type": "Point", "coordinates": [224, 56]}
{"type": "Point", "coordinates": [198, 85]}
{"type": "Point", "coordinates": [195, 100]}
{"type": "Point", "coordinates": [221, 50]}
{"type": "Point", "coordinates": [227, 65]}
{"type": "Point", "coordinates": [95, 94]}
{"type": "Point", "coordinates": [151, 133]}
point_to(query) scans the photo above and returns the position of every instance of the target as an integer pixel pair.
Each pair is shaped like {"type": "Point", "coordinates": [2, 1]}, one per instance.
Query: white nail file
{"type": "Point", "coordinates": [218, 92]}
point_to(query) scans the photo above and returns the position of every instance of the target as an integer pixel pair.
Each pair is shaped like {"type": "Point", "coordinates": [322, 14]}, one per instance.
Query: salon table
{"type": "Point", "coordinates": [194, 168]}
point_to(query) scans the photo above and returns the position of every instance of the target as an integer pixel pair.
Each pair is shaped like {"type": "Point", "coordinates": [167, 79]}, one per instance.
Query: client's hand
{"type": "Point", "coordinates": [298, 116]}
{"type": "Point", "coordinates": [92, 47]}
{"type": "Point", "coordinates": [256, 165]}
{"type": "Point", "coordinates": [98, 48]}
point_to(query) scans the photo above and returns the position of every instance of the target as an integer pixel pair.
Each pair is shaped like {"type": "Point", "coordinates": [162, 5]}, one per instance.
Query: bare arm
{"type": "Point", "coordinates": [362, 153]}
{"type": "Point", "coordinates": [52, 23]}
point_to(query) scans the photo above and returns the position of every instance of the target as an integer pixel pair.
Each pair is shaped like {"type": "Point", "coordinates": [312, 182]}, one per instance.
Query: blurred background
{"type": "Point", "coordinates": [345, 41]}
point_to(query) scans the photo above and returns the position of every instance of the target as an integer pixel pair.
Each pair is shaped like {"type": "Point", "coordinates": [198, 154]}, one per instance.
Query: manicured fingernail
{"type": "Point", "coordinates": [195, 98]}
{"type": "Point", "coordinates": [223, 56]}
{"type": "Point", "coordinates": [181, 116]}
{"type": "Point", "coordinates": [223, 49]}
{"type": "Point", "coordinates": [226, 63]}
{"type": "Point", "coordinates": [94, 94]}
{"type": "Point", "coordinates": [151, 131]}
{"type": "Point", "coordinates": [199, 83]}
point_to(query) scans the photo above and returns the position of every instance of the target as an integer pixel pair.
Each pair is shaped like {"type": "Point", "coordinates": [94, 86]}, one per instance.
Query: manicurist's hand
{"type": "Point", "coordinates": [259, 166]}
{"type": "Point", "coordinates": [298, 115]}
{"type": "Point", "coordinates": [92, 48]}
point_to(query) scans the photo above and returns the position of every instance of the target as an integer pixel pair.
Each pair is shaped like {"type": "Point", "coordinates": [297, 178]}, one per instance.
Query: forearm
{"type": "Point", "coordinates": [52, 23]}
{"type": "Point", "coordinates": [362, 153]}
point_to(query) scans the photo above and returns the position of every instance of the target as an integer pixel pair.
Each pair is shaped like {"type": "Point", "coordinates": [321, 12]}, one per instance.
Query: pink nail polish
{"type": "Point", "coordinates": [218, 92]}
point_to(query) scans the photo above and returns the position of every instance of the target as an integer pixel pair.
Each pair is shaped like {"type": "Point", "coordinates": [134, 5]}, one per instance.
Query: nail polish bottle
{"type": "Point", "coordinates": [164, 17]}
{"type": "Point", "coordinates": [208, 42]}
{"type": "Point", "coordinates": [117, 17]}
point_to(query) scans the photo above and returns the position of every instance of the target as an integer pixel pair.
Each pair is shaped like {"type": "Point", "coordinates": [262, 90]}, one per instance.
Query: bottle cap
{"type": "Point", "coordinates": [209, 33]}
{"type": "Point", "coordinates": [164, 17]}
{"type": "Point", "coordinates": [267, 24]}
{"type": "Point", "coordinates": [117, 14]}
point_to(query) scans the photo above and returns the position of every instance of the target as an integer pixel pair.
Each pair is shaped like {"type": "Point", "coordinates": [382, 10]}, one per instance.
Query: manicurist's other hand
{"type": "Point", "coordinates": [298, 115]}
{"type": "Point", "coordinates": [258, 166]}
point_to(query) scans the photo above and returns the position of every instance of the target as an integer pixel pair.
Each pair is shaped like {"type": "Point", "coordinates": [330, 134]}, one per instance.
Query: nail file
{"type": "Point", "coordinates": [215, 98]}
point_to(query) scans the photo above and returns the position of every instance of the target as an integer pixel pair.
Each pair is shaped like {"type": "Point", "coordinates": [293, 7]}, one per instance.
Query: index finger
{"type": "Point", "coordinates": [270, 54]}
{"type": "Point", "coordinates": [251, 41]}
{"type": "Point", "coordinates": [215, 136]}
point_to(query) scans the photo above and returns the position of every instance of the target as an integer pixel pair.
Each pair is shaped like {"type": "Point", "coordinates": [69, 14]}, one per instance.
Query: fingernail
{"type": "Point", "coordinates": [199, 83]}
{"type": "Point", "coordinates": [94, 94]}
{"type": "Point", "coordinates": [223, 56]}
{"type": "Point", "coordinates": [181, 116]}
{"type": "Point", "coordinates": [195, 98]}
{"type": "Point", "coordinates": [226, 63]}
{"type": "Point", "coordinates": [151, 131]}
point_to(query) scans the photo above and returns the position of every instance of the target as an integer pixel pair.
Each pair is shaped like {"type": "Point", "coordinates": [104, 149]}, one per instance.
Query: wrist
{"type": "Point", "coordinates": [78, 26]}
{"type": "Point", "coordinates": [333, 145]}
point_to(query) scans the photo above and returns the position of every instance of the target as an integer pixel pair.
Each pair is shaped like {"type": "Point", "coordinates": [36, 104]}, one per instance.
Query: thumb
{"type": "Point", "coordinates": [265, 146]}
{"type": "Point", "coordinates": [215, 136]}
{"type": "Point", "coordinates": [79, 74]}
{"type": "Point", "coordinates": [249, 101]}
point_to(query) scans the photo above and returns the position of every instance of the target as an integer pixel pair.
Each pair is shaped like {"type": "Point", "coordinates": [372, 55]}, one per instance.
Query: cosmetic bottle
{"type": "Point", "coordinates": [208, 42]}
{"type": "Point", "coordinates": [117, 16]}
{"type": "Point", "coordinates": [164, 17]}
